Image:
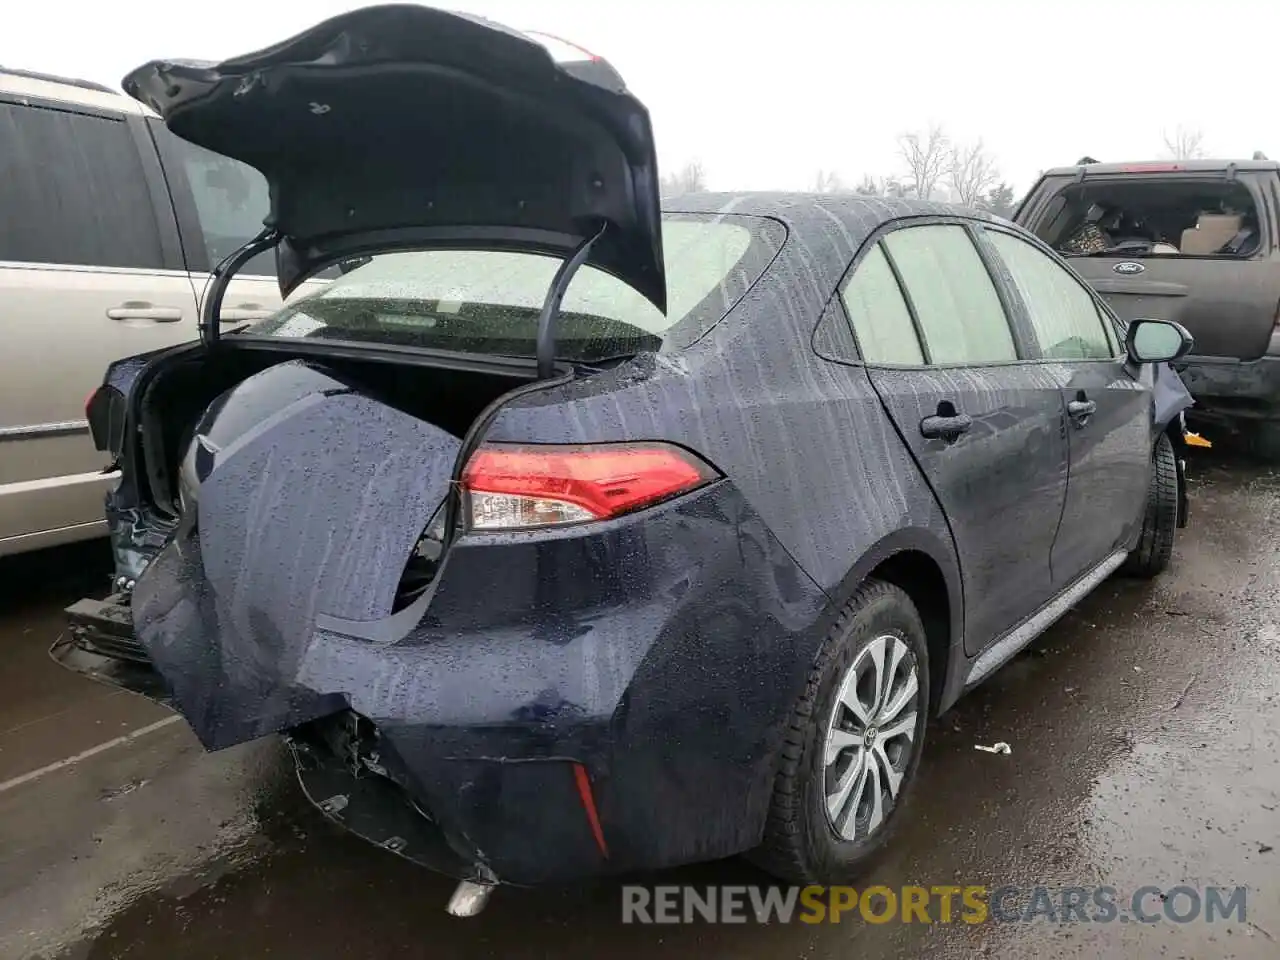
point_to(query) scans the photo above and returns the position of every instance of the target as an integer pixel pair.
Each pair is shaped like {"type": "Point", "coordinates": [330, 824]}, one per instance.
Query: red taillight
{"type": "Point", "coordinates": [512, 486]}
{"type": "Point", "coordinates": [89, 399]}
{"type": "Point", "coordinates": [1150, 167]}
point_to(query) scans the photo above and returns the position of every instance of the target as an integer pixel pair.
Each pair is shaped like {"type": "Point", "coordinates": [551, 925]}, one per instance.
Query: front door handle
{"type": "Point", "coordinates": [946, 428]}
{"type": "Point", "coordinates": [143, 310]}
{"type": "Point", "coordinates": [1081, 410]}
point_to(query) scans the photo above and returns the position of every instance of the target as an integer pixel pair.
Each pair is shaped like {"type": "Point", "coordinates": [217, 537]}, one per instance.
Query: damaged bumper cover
{"type": "Point", "coordinates": [606, 709]}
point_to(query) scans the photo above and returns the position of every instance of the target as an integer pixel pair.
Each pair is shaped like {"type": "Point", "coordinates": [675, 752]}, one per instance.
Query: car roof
{"type": "Point", "coordinates": [84, 93]}
{"type": "Point", "coordinates": [1160, 166]}
{"type": "Point", "coordinates": [857, 216]}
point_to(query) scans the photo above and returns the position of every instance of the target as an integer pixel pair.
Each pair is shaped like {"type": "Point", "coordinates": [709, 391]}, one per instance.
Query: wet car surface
{"type": "Point", "coordinates": [1144, 730]}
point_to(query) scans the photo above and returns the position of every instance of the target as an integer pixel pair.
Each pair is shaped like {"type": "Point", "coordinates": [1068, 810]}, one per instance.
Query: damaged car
{"type": "Point", "coordinates": [564, 535]}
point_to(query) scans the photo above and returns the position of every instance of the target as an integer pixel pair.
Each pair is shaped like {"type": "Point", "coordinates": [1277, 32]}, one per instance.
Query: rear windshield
{"type": "Point", "coordinates": [480, 301]}
{"type": "Point", "coordinates": [1148, 216]}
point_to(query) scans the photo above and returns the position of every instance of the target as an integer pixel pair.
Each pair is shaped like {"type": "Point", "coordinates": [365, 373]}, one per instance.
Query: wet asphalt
{"type": "Point", "coordinates": [1145, 737]}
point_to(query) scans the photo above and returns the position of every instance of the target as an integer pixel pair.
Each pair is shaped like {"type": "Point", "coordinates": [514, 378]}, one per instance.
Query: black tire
{"type": "Point", "coordinates": [1160, 521]}
{"type": "Point", "coordinates": [800, 845]}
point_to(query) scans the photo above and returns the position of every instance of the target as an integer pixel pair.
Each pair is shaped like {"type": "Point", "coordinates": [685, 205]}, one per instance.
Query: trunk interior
{"type": "Point", "coordinates": [449, 398]}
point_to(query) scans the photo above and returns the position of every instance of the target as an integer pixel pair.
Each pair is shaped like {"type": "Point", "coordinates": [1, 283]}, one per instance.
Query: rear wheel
{"type": "Point", "coordinates": [1160, 521]}
{"type": "Point", "coordinates": [853, 744]}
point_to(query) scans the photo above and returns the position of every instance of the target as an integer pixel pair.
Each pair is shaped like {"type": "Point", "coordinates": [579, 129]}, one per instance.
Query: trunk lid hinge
{"type": "Point", "coordinates": [546, 341]}
{"type": "Point", "coordinates": [222, 275]}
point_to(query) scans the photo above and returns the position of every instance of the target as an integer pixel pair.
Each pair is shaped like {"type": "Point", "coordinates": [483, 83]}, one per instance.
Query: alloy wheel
{"type": "Point", "coordinates": [870, 736]}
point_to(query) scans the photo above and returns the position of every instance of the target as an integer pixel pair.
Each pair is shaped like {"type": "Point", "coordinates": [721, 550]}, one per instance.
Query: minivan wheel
{"type": "Point", "coordinates": [1160, 521]}
{"type": "Point", "coordinates": [852, 747]}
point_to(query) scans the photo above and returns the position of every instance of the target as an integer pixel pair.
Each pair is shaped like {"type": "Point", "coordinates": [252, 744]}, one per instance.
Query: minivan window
{"type": "Point", "coordinates": [73, 191]}
{"type": "Point", "coordinates": [231, 201]}
{"type": "Point", "coordinates": [879, 314]}
{"type": "Point", "coordinates": [955, 302]}
{"type": "Point", "coordinates": [1062, 312]}
{"type": "Point", "coordinates": [483, 301]}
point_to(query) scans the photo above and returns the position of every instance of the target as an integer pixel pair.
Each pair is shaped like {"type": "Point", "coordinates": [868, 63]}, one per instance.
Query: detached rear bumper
{"type": "Point", "coordinates": [602, 701]}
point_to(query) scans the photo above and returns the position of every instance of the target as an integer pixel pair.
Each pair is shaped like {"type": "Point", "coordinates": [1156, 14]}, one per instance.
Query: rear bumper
{"type": "Point", "coordinates": [1234, 389]}
{"type": "Point", "coordinates": [567, 706]}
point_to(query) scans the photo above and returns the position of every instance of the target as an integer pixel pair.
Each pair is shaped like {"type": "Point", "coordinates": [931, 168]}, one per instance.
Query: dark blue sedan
{"type": "Point", "coordinates": [564, 535]}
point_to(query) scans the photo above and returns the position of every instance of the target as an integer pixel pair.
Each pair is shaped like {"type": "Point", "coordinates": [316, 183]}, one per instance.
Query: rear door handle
{"type": "Point", "coordinates": [946, 428]}
{"type": "Point", "coordinates": [142, 310]}
{"type": "Point", "coordinates": [242, 312]}
{"type": "Point", "coordinates": [1081, 410]}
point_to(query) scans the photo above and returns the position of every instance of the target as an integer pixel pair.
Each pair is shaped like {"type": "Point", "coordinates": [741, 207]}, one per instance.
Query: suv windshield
{"type": "Point", "coordinates": [1139, 216]}
{"type": "Point", "coordinates": [480, 301]}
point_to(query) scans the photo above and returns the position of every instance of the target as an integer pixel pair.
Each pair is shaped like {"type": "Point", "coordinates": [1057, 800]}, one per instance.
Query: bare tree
{"type": "Point", "coordinates": [1185, 143]}
{"type": "Point", "coordinates": [971, 172]}
{"type": "Point", "coordinates": [869, 186]}
{"type": "Point", "coordinates": [828, 181]}
{"type": "Point", "coordinates": [690, 178]}
{"type": "Point", "coordinates": [926, 156]}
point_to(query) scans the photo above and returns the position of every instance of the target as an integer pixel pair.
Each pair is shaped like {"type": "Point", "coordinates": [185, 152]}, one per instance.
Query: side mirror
{"type": "Point", "coordinates": [1157, 341]}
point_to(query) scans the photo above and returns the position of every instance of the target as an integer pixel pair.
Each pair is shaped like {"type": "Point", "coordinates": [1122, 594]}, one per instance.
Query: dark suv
{"type": "Point", "coordinates": [1193, 241]}
{"type": "Point", "coordinates": [563, 534]}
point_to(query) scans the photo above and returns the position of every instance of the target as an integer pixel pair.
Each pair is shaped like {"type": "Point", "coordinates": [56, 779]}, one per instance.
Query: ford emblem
{"type": "Point", "coordinates": [1128, 268]}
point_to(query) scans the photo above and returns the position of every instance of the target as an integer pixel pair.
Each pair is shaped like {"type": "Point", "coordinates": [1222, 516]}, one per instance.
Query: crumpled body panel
{"type": "Point", "coordinates": [312, 511]}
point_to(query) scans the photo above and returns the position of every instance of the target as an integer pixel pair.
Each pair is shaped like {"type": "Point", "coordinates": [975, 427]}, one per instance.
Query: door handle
{"type": "Point", "coordinates": [142, 310]}
{"type": "Point", "coordinates": [1081, 410]}
{"type": "Point", "coordinates": [242, 314]}
{"type": "Point", "coordinates": [946, 428]}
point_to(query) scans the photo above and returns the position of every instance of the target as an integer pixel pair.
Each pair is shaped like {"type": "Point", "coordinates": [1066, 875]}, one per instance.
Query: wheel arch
{"type": "Point", "coordinates": [924, 566]}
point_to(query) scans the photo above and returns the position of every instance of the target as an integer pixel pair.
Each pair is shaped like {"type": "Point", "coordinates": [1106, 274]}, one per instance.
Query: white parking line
{"type": "Point", "coordinates": [86, 754]}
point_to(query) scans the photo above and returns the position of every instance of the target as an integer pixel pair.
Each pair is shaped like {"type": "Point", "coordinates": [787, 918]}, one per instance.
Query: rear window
{"type": "Point", "coordinates": [480, 301]}
{"type": "Point", "coordinates": [1139, 216]}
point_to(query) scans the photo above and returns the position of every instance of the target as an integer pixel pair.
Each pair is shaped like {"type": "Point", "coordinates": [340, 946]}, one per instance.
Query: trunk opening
{"type": "Point", "coordinates": [449, 398]}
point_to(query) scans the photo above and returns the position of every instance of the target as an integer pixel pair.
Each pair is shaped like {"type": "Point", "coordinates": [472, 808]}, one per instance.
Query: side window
{"type": "Point", "coordinates": [231, 201]}
{"type": "Point", "coordinates": [881, 320]}
{"type": "Point", "coordinates": [1066, 320]}
{"type": "Point", "coordinates": [956, 303]}
{"type": "Point", "coordinates": [73, 191]}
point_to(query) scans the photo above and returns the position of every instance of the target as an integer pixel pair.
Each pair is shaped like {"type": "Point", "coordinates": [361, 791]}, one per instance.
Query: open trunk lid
{"type": "Point", "coordinates": [401, 126]}
{"type": "Point", "coordinates": [1229, 304]}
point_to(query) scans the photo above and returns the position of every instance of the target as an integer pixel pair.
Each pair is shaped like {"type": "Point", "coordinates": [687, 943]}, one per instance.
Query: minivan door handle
{"type": "Point", "coordinates": [143, 310]}
{"type": "Point", "coordinates": [1080, 410]}
{"type": "Point", "coordinates": [242, 312]}
{"type": "Point", "coordinates": [946, 428]}
{"type": "Point", "coordinates": [240, 315]}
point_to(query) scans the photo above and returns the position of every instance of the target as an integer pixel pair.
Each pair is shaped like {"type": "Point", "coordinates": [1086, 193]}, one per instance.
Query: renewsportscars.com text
{"type": "Point", "coordinates": [932, 904]}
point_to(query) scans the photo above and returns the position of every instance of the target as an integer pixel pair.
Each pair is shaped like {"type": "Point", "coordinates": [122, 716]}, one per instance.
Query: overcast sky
{"type": "Point", "coordinates": [766, 94]}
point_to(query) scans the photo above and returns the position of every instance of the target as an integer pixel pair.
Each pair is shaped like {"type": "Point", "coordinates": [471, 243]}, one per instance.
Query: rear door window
{"type": "Point", "coordinates": [73, 190]}
{"type": "Point", "coordinates": [484, 301]}
{"type": "Point", "coordinates": [879, 314]}
{"type": "Point", "coordinates": [1064, 315]}
{"type": "Point", "coordinates": [221, 203]}
{"type": "Point", "coordinates": [955, 301]}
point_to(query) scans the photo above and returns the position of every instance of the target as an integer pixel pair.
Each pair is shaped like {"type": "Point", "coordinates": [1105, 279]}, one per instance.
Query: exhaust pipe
{"type": "Point", "coordinates": [469, 899]}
